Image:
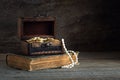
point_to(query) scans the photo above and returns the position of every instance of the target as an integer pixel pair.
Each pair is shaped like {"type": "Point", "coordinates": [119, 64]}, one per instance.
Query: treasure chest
{"type": "Point", "coordinates": [41, 29]}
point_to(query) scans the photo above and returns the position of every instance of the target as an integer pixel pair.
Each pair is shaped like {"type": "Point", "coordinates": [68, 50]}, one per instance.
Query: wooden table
{"type": "Point", "coordinates": [94, 69]}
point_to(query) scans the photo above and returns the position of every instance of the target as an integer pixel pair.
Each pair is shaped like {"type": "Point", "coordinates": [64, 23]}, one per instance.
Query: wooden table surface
{"type": "Point", "coordinates": [94, 69]}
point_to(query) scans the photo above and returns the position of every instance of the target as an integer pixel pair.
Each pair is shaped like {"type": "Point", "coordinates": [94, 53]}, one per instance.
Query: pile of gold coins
{"type": "Point", "coordinates": [38, 41]}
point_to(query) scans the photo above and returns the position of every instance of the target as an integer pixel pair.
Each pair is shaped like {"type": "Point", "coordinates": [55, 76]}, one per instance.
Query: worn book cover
{"type": "Point", "coordinates": [31, 63]}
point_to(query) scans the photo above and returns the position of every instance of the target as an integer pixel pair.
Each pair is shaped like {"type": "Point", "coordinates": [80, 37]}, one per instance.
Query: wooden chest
{"type": "Point", "coordinates": [37, 27]}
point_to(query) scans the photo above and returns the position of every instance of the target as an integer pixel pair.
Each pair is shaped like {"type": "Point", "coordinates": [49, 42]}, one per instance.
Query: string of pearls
{"type": "Point", "coordinates": [68, 53]}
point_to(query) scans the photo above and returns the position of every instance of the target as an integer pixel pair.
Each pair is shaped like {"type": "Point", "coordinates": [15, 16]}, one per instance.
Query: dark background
{"type": "Point", "coordinates": [86, 25]}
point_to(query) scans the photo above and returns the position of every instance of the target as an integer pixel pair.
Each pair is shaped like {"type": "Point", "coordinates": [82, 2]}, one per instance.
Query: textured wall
{"type": "Point", "coordinates": [86, 25]}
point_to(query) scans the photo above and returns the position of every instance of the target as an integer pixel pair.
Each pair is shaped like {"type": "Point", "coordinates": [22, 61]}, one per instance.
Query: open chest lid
{"type": "Point", "coordinates": [36, 27]}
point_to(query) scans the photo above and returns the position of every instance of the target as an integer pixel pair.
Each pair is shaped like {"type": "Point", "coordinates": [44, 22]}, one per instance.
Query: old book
{"type": "Point", "coordinates": [31, 63]}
